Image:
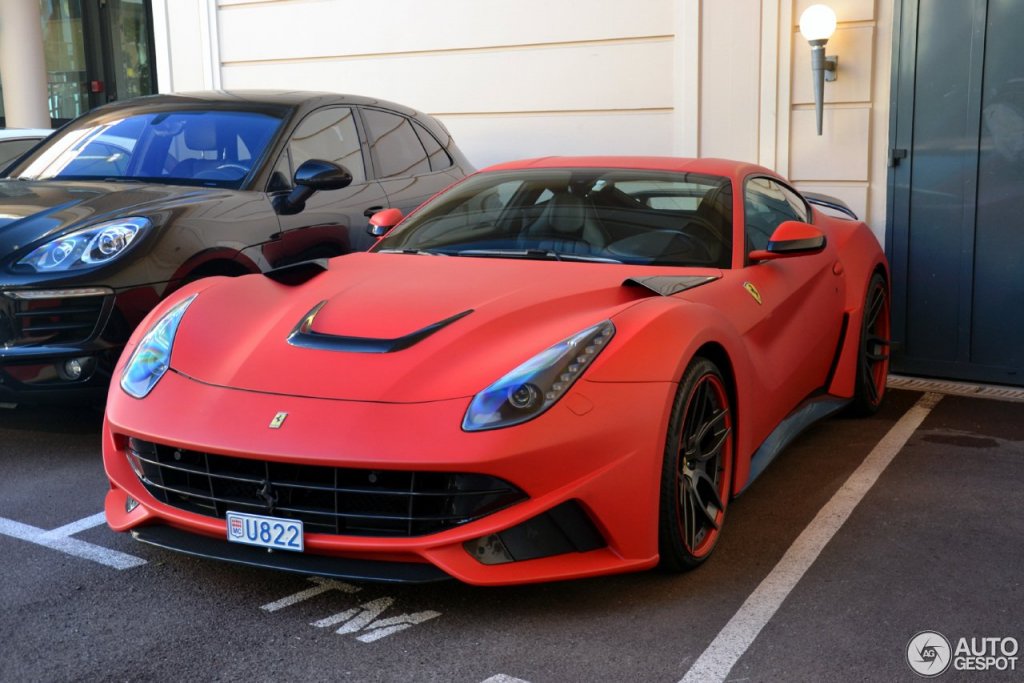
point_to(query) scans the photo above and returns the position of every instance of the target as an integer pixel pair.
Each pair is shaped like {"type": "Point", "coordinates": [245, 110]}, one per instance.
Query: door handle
{"type": "Point", "coordinates": [372, 210]}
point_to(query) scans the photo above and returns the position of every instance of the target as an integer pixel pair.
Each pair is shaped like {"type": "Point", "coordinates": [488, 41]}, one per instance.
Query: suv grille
{"type": "Point", "coordinates": [334, 500]}
{"type": "Point", "coordinates": [37, 322]}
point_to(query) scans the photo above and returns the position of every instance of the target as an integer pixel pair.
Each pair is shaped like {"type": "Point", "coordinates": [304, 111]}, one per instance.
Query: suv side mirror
{"type": "Point", "coordinates": [311, 176]}
{"type": "Point", "coordinates": [382, 222]}
{"type": "Point", "coordinates": [791, 238]}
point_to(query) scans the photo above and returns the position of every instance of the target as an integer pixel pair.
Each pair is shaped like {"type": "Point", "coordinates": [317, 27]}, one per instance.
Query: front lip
{"type": "Point", "coordinates": [599, 452]}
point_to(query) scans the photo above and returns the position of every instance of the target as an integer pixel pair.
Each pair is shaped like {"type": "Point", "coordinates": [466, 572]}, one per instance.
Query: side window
{"type": "Point", "coordinates": [766, 206]}
{"type": "Point", "coordinates": [397, 147]}
{"type": "Point", "coordinates": [797, 203]}
{"type": "Point", "coordinates": [328, 134]}
{"type": "Point", "coordinates": [438, 158]}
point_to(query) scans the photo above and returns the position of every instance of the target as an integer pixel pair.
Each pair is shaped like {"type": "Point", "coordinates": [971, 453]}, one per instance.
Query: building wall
{"type": "Point", "coordinates": [519, 78]}
{"type": "Point", "coordinates": [757, 101]}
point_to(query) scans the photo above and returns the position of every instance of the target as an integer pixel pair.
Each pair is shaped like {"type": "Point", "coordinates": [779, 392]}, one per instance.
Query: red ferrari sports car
{"type": "Point", "coordinates": [556, 368]}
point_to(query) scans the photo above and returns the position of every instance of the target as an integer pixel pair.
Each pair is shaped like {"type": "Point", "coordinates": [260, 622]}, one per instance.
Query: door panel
{"type": "Point", "coordinates": [955, 200]}
{"type": "Point", "coordinates": [998, 320]}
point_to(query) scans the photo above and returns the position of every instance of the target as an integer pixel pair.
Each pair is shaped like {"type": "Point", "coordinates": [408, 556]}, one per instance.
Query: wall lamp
{"type": "Point", "coordinates": [817, 24]}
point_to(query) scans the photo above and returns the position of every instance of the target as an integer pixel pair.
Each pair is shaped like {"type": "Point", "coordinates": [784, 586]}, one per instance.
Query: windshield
{"type": "Point", "coordinates": [216, 148]}
{"type": "Point", "coordinates": [600, 215]}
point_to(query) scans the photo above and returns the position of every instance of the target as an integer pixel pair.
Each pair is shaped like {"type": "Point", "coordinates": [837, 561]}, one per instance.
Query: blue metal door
{"type": "Point", "coordinates": [955, 236]}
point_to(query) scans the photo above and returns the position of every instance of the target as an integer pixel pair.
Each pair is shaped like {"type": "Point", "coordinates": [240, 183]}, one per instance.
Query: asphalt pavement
{"type": "Point", "coordinates": [934, 545]}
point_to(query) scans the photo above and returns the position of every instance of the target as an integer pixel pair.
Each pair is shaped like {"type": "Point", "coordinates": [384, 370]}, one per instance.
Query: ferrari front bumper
{"type": "Point", "coordinates": [596, 454]}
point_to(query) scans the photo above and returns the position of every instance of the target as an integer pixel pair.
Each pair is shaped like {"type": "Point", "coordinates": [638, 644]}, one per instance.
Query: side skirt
{"type": "Point", "coordinates": [806, 414]}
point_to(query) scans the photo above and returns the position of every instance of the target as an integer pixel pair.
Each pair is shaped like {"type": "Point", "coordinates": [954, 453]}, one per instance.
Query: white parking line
{"type": "Point", "coordinates": [735, 638]}
{"type": "Point", "coordinates": [504, 678]}
{"type": "Point", "coordinates": [60, 539]}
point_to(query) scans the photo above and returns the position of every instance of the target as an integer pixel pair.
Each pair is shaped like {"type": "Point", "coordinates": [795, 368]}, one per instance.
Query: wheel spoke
{"type": "Point", "coordinates": [689, 506]}
{"type": "Point", "coordinates": [716, 448]}
{"type": "Point", "coordinates": [716, 501]}
{"type": "Point", "coordinates": [876, 306]}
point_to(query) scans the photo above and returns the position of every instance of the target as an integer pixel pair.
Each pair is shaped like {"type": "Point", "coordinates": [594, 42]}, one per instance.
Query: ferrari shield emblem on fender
{"type": "Point", "coordinates": [752, 291]}
{"type": "Point", "coordinates": [278, 420]}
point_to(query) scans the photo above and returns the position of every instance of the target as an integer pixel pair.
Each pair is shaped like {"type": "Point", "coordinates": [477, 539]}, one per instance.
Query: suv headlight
{"type": "Point", "coordinates": [537, 384]}
{"type": "Point", "coordinates": [86, 248]}
{"type": "Point", "coordinates": [152, 356]}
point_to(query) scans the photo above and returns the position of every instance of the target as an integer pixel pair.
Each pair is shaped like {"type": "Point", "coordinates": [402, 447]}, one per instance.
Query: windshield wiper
{"type": "Point", "coordinates": [428, 252]}
{"type": "Point", "coordinates": [546, 254]}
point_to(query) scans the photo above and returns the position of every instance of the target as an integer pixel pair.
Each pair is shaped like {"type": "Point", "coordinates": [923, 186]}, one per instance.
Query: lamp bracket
{"type": "Point", "coordinates": [831, 67]}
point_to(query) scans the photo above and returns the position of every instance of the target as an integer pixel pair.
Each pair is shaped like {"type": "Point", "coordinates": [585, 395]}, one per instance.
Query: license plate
{"type": "Point", "coordinates": [265, 532]}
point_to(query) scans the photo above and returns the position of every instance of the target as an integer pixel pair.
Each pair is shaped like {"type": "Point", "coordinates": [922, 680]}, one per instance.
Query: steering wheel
{"type": "Point", "coordinates": [229, 165]}
{"type": "Point", "coordinates": [227, 171]}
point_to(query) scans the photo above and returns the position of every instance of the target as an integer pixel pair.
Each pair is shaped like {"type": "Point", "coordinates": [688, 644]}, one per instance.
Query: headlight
{"type": "Point", "coordinates": [152, 356]}
{"type": "Point", "coordinates": [87, 247]}
{"type": "Point", "coordinates": [537, 384]}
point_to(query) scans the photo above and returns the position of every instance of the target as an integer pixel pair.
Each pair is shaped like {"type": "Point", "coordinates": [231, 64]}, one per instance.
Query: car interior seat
{"type": "Point", "coordinates": [199, 136]}
{"type": "Point", "coordinates": [568, 224]}
{"type": "Point", "coordinates": [714, 213]}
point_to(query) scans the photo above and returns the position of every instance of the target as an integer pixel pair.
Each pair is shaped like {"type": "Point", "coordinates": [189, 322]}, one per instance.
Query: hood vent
{"type": "Point", "coordinates": [296, 274]}
{"type": "Point", "coordinates": [303, 336]}
{"type": "Point", "coordinates": [667, 285]}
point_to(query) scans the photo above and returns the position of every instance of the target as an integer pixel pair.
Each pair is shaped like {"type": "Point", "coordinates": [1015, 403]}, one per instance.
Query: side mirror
{"type": "Point", "coordinates": [312, 176]}
{"type": "Point", "coordinates": [382, 222]}
{"type": "Point", "coordinates": [791, 238]}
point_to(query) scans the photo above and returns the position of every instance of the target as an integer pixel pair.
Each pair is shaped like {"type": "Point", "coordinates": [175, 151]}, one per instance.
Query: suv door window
{"type": "Point", "coordinates": [767, 203]}
{"type": "Point", "coordinates": [328, 134]}
{"type": "Point", "coordinates": [396, 147]}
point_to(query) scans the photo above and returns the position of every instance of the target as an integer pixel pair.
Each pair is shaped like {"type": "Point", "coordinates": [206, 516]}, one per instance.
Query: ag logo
{"type": "Point", "coordinates": [278, 420]}
{"type": "Point", "coordinates": [928, 654]}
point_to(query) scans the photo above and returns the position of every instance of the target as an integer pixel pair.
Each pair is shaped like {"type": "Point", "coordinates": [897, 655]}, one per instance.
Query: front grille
{"type": "Point", "coordinates": [333, 500]}
{"type": "Point", "coordinates": [39, 322]}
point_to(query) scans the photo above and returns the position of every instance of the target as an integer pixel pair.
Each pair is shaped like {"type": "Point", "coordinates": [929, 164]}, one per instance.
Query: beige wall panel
{"type": "Point", "coordinates": [877, 202]}
{"type": "Point", "coordinates": [541, 79]}
{"type": "Point", "coordinates": [846, 10]}
{"type": "Point", "coordinates": [854, 47]}
{"type": "Point", "coordinates": [730, 79]}
{"type": "Point", "coordinates": [299, 29]}
{"type": "Point", "coordinates": [840, 153]}
{"type": "Point", "coordinates": [491, 139]}
{"type": "Point", "coordinates": [187, 51]}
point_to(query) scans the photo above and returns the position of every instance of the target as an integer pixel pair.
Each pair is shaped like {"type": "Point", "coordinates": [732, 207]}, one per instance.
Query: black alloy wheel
{"type": "Point", "coordinates": [697, 470]}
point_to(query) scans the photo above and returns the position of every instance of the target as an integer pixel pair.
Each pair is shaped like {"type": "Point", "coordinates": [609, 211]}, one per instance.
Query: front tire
{"type": "Point", "coordinates": [697, 469]}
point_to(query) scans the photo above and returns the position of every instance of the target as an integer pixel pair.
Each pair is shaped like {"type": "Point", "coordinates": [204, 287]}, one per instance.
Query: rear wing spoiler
{"type": "Point", "coordinates": [828, 202]}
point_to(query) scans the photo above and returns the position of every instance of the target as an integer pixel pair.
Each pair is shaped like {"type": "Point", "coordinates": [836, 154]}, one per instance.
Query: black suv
{"type": "Point", "coordinates": [117, 209]}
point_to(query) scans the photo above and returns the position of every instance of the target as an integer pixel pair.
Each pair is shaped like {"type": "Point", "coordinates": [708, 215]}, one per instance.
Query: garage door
{"type": "Point", "coordinates": [956, 192]}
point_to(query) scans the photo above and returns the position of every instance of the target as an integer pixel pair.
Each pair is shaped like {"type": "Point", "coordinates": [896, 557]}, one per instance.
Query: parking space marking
{"type": "Point", "coordinates": [365, 618]}
{"type": "Point", "coordinates": [322, 586]}
{"type": "Point", "coordinates": [60, 539]}
{"type": "Point", "coordinates": [356, 619]}
{"type": "Point", "coordinates": [504, 678]}
{"type": "Point", "coordinates": [715, 663]}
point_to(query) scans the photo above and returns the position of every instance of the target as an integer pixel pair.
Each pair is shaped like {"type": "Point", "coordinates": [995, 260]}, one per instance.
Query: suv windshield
{"type": "Point", "coordinates": [200, 147]}
{"type": "Point", "coordinates": [598, 215]}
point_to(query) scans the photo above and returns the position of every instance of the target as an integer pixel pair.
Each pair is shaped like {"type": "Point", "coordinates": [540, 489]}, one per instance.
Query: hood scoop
{"type": "Point", "coordinates": [299, 273]}
{"type": "Point", "coordinates": [304, 336]}
{"type": "Point", "coordinates": [667, 285]}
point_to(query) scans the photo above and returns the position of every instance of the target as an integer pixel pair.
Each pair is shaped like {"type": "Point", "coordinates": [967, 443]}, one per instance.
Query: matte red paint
{"type": "Point", "coordinates": [602, 444]}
